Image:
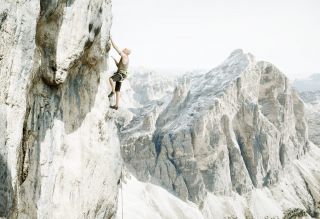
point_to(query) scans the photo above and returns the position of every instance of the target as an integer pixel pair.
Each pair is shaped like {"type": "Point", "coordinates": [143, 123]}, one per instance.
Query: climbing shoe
{"type": "Point", "coordinates": [114, 107]}
{"type": "Point", "coordinates": [111, 94]}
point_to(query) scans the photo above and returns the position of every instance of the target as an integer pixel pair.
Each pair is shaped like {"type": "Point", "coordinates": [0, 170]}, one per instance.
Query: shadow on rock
{"type": "Point", "coordinates": [6, 191]}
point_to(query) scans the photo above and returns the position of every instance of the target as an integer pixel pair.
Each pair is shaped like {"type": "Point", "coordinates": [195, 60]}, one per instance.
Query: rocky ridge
{"type": "Point", "coordinates": [234, 130]}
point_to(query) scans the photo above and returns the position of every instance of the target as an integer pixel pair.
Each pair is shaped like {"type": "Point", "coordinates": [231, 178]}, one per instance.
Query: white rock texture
{"type": "Point", "coordinates": [59, 150]}
{"type": "Point", "coordinates": [238, 129]}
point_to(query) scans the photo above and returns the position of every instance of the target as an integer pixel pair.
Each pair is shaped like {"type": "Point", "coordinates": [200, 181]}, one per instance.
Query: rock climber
{"type": "Point", "coordinates": [120, 74]}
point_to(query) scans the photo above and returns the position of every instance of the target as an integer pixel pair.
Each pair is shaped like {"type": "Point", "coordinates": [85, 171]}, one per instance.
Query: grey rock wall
{"type": "Point", "coordinates": [59, 152]}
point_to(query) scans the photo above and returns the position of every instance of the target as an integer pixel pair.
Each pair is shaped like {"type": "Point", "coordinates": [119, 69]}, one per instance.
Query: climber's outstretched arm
{"type": "Point", "coordinates": [117, 63]}
{"type": "Point", "coordinates": [116, 48]}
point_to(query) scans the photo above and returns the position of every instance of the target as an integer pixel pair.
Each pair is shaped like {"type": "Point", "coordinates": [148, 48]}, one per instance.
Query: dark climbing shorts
{"type": "Point", "coordinates": [118, 79]}
{"type": "Point", "coordinates": [118, 86]}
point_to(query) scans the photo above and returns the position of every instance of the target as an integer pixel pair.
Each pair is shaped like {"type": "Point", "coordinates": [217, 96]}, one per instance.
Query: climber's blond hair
{"type": "Point", "coordinates": [126, 51]}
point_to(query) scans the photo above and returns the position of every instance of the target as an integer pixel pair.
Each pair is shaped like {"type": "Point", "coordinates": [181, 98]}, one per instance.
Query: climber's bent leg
{"type": "Point", "coordinates": [112, 87]}
{"type": "Point", "coordinates": [117, 98]}
{"type": "Point", "coordinates": [117, 89]}
{"type": "Point", "coordinates": [117, 101]}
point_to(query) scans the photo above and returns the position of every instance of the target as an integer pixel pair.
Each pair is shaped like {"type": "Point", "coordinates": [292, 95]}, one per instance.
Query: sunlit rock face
{"type": "Point", "coordinates": [59, 152]}
{"type": "Point", "coordinates": [233, 130]}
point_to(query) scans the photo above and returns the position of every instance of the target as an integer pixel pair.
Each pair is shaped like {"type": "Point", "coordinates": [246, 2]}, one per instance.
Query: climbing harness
{"type": "Point", "coordinates": [122, 75]}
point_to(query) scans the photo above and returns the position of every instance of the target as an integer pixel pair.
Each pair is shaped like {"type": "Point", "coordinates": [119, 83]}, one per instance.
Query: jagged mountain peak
{"type": "Point", "coordinates": [234, 129]}
{"type": "Point", "coordinates": [196, 95]}
{"type": "Point", "coordinates": [197, 92]}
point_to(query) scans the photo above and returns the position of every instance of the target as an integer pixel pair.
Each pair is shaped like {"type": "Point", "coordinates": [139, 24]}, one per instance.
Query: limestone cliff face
{"type": "Point", "coordinates": [235, 129]}
{"type": "Point", "coordinates": [59, 152]}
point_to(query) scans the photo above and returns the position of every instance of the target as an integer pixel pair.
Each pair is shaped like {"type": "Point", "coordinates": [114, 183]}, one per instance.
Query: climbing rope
{"type": "Point", "coordinates": [121, 177]}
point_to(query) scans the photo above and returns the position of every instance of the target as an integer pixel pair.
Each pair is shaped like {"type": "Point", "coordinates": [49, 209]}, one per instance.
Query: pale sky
{"type": "Point", "coordinates": [192, 34]}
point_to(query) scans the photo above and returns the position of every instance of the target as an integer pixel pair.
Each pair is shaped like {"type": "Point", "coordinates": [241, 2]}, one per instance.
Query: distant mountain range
{"type": "Point", "coordinates": [309, 84]}
{"type": "Point", "coordinates": [309, 90]}
{"type": "Point", "coordinates": [231, 142]}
